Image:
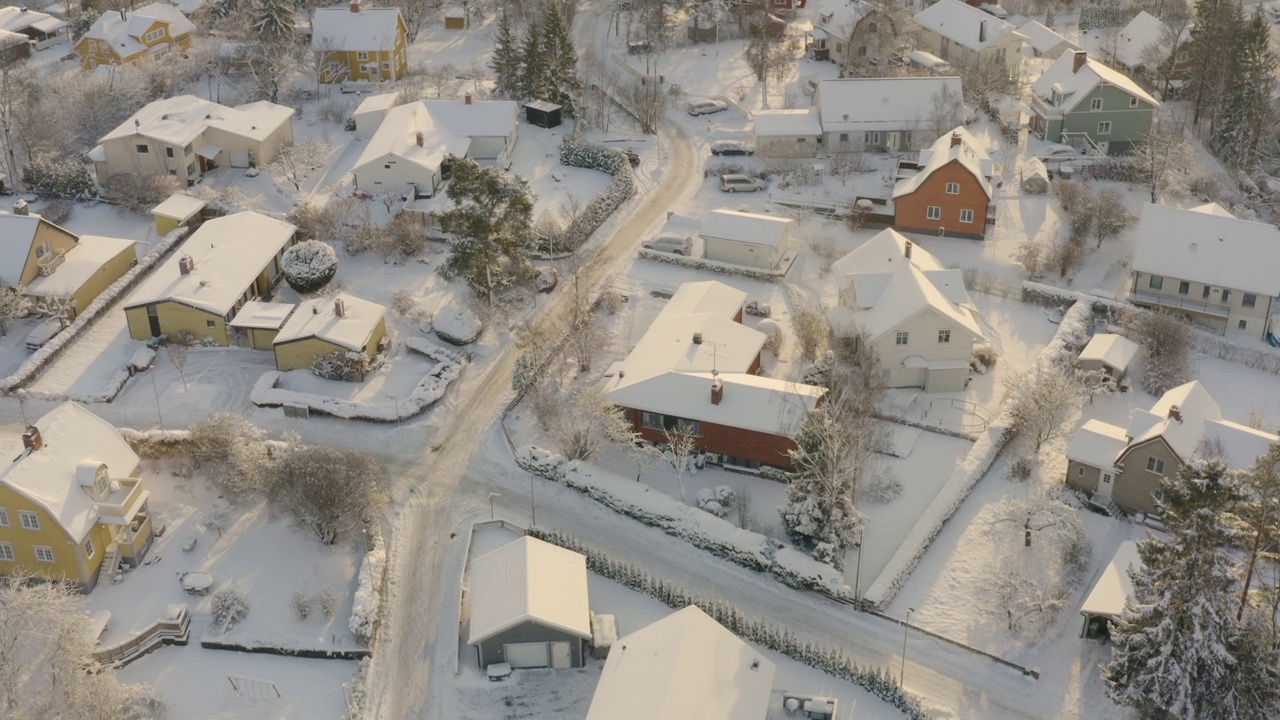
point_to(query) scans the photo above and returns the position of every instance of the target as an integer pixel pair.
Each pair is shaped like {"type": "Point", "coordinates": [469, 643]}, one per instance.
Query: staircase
{"type": "Point", "coordinates": [111, 563]}
{"type": "Point", "coordinates": [1106, 505]}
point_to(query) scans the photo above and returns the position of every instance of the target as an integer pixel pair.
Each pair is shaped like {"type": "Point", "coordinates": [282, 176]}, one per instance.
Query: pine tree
{"type": "Point", "coordinates": [1216, 26]}
{"type": "Point", "coordinates": [1048, 18]}
{"type": "Point", "coordinates": [533, 63]}
{"type": "Point", "coordinates": [1248, 117]}
{"type": "Point", "coordinates": [506, 63]}
{"type": "Point", "coordinates": [491, 226]}
{"type": "Point", "coordinates": [561, 60]}
{"type": "Point", "coordinates": [820, 514]}
{"type": "Point", "coordinates": [273, 22]}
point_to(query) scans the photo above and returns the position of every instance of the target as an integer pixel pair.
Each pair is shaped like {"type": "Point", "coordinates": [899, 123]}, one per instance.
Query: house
{"type": "Point", "coordinates": [13, 47]}
{"type": "Point", "coordinates": [685, 665]}
{"type": "Point", "coordinates": [916, 314]}
{"type": "Point", "coordinates": [1142, 49]}
{"type": "Point", "coordinates": [1083, 103]}
{"type": "Point", "coordinates": [743, 238]}
{"type": "Point", "coordinates": [1108, 353]}
{"type": "Point", "coordinates": [1208, 265]}
{"type": "Point", "coordinates": [695, 370]}
{"type": "Point", "coordinates": [44, 29]}
{"type": "Point", "coordinates": [228, 262]}
{"type": "Point", "coordinates": [52, 263]}
{"type": "Point", "coordinates": [119, 37]}
{"type": "Point", "coordinates": [325, 325]}
{"type": "Point", "coordinates": [352, 42]}
{"type": "Point", "coordinates": [72, 506]}
{"type": "Point", "coordinates": [965, 36]}
{"type": "Point", "coordinates": [950, 194]}
{"type": "Point", "coordinates": [529, 606]}
{"type": "Point", "coordinates": [1126, 465]}
{"type": "Point", "coordinates": [1112, 592]}
{"type": "Point", "coordinates": [878, 114]}
{"type": "Point", "coordinates": [1043, 41]}
{"type": "Point", "coordinates": [187, 136]}
{"type": "Point", "coordinates": [413, 147]}
{"type": "Point", "coordinates": [372, 110]}
{"type": "Point", "coordinates": [178, 210]}
{"type": "Point", "coordinates": [257, 324]}
{"type": "Point", "coordinates": [849, 33]}
{"type": "Point", "coordinates": [791, 133]}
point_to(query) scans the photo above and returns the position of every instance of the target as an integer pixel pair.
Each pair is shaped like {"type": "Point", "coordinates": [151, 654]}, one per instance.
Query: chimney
{"type": "Point", "coordinates": [717, 391]}
{"type": "Point", "coordinates": [21, 208]}
{"type": "Point", "coordinates": [123, 16]}
{"type": "Point", "coordinates": [339, 308]}
{"type": "Point", "coordinates": [906, 250]}
{"type": "Point", "coordinates": [420, 139]}
{"type": "Point", "coordinates": [1175, 413]}
{"type": "Point", "coordinates": [697, 338]}
{"type": "Point", "coordinates": [467, 98]}
{"type": "Point", "coordinates": [982, 31]}
{"type": "Point", "coordinates": [354, 6]}
{"type": "Point", "coordinates": [31, 439]}
{"type": "Point", "coordinates": [955, 139]}
{"type": "Point", "coordinates": [1080, 58]}
{"type": "Point", "coordinates": [186, 264]}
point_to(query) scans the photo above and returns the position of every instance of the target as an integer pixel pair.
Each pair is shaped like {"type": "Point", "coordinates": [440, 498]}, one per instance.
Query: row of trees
{"type": "Point", "coordinates": [542, 64]}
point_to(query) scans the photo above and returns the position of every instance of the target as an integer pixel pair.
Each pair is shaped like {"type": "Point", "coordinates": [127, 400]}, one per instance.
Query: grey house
{"type": "Point", "coordinates": [1083, 103]}
{"type": "Point", "coordinates": [529, 606]}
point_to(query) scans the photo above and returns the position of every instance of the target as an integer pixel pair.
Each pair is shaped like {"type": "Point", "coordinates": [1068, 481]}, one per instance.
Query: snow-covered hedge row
{"type": "Point", "coordinates": [91, 313]}
{"type": "Point", "coordinates": [829, 659]}
{"type": "Point", "coordinates": [607, 160]}
{"type": "Point", "coordinates": [428, 390]}
{"type": "Point", "coordinates": [364, 607]}
{"type": "Point", "coordinates": [1074, 327]}
{"type": "Point", "coordinates": [712, 265]}
{"type": "Point", "coordinates": [1048, 295]}
{"type": "Point", "coordinates": [703, 530]}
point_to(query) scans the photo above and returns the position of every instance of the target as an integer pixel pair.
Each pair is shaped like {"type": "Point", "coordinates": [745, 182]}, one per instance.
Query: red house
{"type": "Point", "coordinates": [950, 192]}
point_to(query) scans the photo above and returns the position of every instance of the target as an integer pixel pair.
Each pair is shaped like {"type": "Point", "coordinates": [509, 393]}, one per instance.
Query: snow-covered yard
{"type": "Point", "coordinates": [394, 379]}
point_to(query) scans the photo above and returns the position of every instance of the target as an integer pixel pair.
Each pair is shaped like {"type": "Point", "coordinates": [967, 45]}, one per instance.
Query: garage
{"type": "Point", "coordinates": [527, 655]}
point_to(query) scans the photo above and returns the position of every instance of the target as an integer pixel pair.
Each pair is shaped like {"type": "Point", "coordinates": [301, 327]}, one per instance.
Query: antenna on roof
{"type": "Point", "coordinates": [714, 355]}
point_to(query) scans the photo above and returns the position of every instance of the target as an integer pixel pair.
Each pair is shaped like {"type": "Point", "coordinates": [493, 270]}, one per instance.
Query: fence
{"type": "Point", "coordinates": [168, 631]}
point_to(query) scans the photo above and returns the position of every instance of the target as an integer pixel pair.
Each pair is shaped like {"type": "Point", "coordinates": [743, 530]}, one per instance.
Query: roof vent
{"type": "Point", "coordinates": [339, 308]}
{"type": "Point", "coordinates": [315, 309]}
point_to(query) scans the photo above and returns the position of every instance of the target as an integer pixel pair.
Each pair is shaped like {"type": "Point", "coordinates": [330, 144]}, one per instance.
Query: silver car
{"type": "Point", "coordinates": [674, 244]}
{"type": "Point", "coordinates": [741, 183]}
{"type": "Point", "coordinates": [706, 107]}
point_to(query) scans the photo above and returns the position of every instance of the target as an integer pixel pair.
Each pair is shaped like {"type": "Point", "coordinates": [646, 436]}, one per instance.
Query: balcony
{"type": "Point", "coordinates": [1176, 302]}
{"type": "Point", "coordinates": [1041, 107]}
{"type": "Point", "coordinates": [49, 263]}
{"type": "Point", "coordinates": [123, 505]}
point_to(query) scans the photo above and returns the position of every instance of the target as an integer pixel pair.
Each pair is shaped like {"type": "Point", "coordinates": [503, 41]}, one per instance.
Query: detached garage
{"type": "Point", "coordinates": [748, 239]}
{"type": "Point", "coordinates": [529, 606]}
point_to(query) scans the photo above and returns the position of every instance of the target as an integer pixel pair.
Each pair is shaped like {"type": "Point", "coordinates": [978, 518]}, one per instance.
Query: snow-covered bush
{"type": "Point", "coordinates": [139, 191]}
{"type": "Point", "coordinates": [64, 177]}
{"type": "Point", "coordinates": [607, 160]}
{"type": "Point", "coordinates": [456, 325]}
{"type": "Point", "coordinates": [14, 304]}
{"type": "Point", "coordinates": [984, 357]}
{"type": "Point", "coordinates": [717, 501]}
{"type": "Point", "coordinates": [758, 309]}
{"type": "Point", "coordinates": [57, 212]}
{"type": "Point", "coordinates": [546, 279]}
{"type": "Point", "coordinates": [300, 604]}
{"type": "Point", "coordinates": [309, 266]}
{"type": "Point", "coordinates": [326, 601]}
{"type": "Point", "coordinates": [364, 607]}
{"type": "Point", "coordinates": [229, 608]}
{"type": "Point", "coordinates": [711, 266]}
{"type": "Point", "coordinates": [772, 334]}
{"type": "Point", "coordinates": [345, 365]}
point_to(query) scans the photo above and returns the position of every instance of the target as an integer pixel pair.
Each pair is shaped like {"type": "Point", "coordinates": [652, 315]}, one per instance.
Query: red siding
{"type": "Point", "coordinates": [911, 211]}
{"type": "Point", "coordinates": [724, 440]}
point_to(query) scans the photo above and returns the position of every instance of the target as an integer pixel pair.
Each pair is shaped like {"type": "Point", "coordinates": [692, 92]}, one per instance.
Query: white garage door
{"type": "Point", "coordinates": [527, 655]}
{"type": "Point", "coordinates": [239, 158]}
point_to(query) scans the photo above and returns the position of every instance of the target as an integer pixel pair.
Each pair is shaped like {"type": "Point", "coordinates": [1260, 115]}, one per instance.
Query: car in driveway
{"type": "Point", "coordinates": [674, 244]}
{"type": "Point", "coordinates": [736, 183]}
{"type": "Point", "coordinates": [44, 332]}
{"type": "Point", "coordinates": [731, 147]}
{"type": "Point", "coordinates": [706, 107]}
{"type": "Point", "coordinates": [1058, 151]}
{"type": "Point", "coordinates": [632, 158]}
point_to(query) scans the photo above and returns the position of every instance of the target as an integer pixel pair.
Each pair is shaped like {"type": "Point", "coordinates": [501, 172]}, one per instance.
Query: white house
{"type": "Point", "coordinates": [412, 147]}
{"type": "Point", "coordinates": [1044, 41]}
{"type": "Point", "coordinates": [916, 314]}
{"type": "Point", "coordinates": [963, 35]}
{"type": "Point", "coordinates": [1145, 38]}
{"type": "Point", "coordinates": [792, 133]}
{"type": "Point", "coordinates": [743, 238]}
{"type": "Point", "coordinates": [372, 110]}
{"type": "Point", "coordinates": [881, 113]}
{"type": "Point", "coordinates": [1109, 353]}
{"type": "Point", "coordinates": [40, 27]}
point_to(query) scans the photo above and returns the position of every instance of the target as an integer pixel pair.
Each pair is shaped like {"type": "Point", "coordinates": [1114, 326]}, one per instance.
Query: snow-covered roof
{"type": "Point", "coordinates": [1041, 38]}
{"type": "Point", "coordinates": [750, 402]}
{"type": "Point", "coordinates": [377, 103]}
{"type": "Point", "coordinates": [319, 318]}
{"type": "Point", "coordinates": [964, 24]}
{"type": "Point", "coordinates": [926, 59]}
{"type": "Point", "coordinates": [838, 18]}
{"type": "Point", "coordinates": [72, 436]}
{"type": "Point", "coordinates": [1076, 84]}
{"type": "Point", "coordinates": [1142, 31]}
{"type": "Point", "coordinates": [788, 123]}
{"type": "Point", "coordinates": [340, 29]}
{"type": "Point", "coordinates": [1114, 587]}
{"type": "Point", "coordinates": [1186, 416]}
{"type": "Point", "coordinates": [698, 342]}
{"type": "Point", "coordinates": [179, 206]}
{"type": "Point", "coordinates": [1210, 247]}
{"type": "Point", "coordinates": [528, 580]}
{"type": "Point", "coordinates": [943, 152]}
{"type": "Point", "coordinates": [707, 296]}
{"type": "Point", "coordinates": [179, 120]}
{"type": "Point", "coordinates": [9, 39]}
{"type": "Point", "coordinates": [260, 315]}
{"type": "Point", "coordinates": [879, 104]}
{"type": "Point", "coordinates": [122, 30]}
{"type": "Point", "coordinates": [80, 264]}
{"type": "Point", "coordinates": [229, 253]}
{"type": "Point", "coordinates": [478, 118]}
{"type": "Point", "coordinates": [17, 19]}
{"type": "Point", "coordinates": [1098, 444]}
{"type": "Point", "coordinates": [1115, 351]}
{"type": "Point", "coordinates": [17, 233]}
{"type": "Point", "coordinates": [445, 126]}
{"type": "Point", "coordinates": [744, 227]}
{"type": "Point", "coordinates": [683, 666]}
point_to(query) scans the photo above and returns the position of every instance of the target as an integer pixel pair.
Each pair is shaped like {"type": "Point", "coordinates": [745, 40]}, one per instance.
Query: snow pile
{"type": "Point", "coordinates": [456, 325]}
{"type": "Point", "coordinates": [309, 265]}
{"type": "Point", "coordinates": [1074, 326]}
{"type": "Point", "coordinates": [712, 266]}
{"type": "Point", "coordinates": [91, 313]}
{"type": "Point", "coordinates": [364, 609]}
{"type": "Point", "coordinates": [607, 160]}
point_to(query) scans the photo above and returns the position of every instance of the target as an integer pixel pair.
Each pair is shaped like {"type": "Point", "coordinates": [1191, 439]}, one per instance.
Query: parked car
{"type": "Point", "coordinates": [632, 158]}
{"type": "Point", "coordinates": [674, 244]}
{"type": "Point", "coordinates": [741, 183]}
{"type": "Point", "coordinates": [731, 147]}
{"type": "Point", "coordinates": [995, 10]}
{"type": "Point", "coordinates": [44, 332]}
{"type": "Point", "coordinates": [1058, 151]}
{"type": "Point", "coordinates": [706, 107]}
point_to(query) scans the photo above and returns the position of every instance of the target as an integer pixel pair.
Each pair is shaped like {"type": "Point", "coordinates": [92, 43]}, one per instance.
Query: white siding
{"type": "Point", "coordinates": [740, 253]}
{"type": "Point", "coordinates": [401, 175]}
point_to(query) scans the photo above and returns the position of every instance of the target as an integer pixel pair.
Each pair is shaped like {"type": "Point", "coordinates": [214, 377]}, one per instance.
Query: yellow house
{"type": "Point", "coordinates": [356, 43]}
{"type": "Point", "coordinates": [126, 36]}
{"type": "Point", "coordinates": [51, 262]}
{"type": "Point", "coordinates": [258, 323]}
{"type": "Point", "coordinates": [326, 325]}
{"type": "Point", "coordinates": [72, 506]}
{"type": "Point", "coordinates": [226, 263]}
{"type": "Point", "coordinates": [177, 211]}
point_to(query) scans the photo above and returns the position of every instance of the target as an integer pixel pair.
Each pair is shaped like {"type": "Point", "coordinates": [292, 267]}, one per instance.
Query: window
{"type": "Point", "coordinates": [862, 51]}
{"type": "Point", "coordinates": [1182, 56]}
{"type": "Point", "coordinates": [44, 554]}
{"type": "Point", "coordinates": [906, 140]}
{"type": "Point", "coordinates": [386, 66]}
{"type": "Point", "coordinates": [844, 137]}
{"type": "Point", "coordinates": [1133, 102]}
{"type": "Point", "coordinates": [902, 338]}
{"type": "Point", "coordinates": [1106, 478]}
{"type": "Point", "coordinates": [173, 173]}
{"type": "Point", "coordinates": [211, 324]}
{"type": "Point", "coordinates": [88, 547]}
{"type": "Point", "coordinates": [1184, 287]}
{"type": "Point", "coordinates": [934, 212]}
{"type": "Point", "coordinates": [1156, 282]}
{"type": "Point", "coordinates": [1055, 98]}
{"type": "Point", "coordinates": [660, 422]}
{"type": "Point", "coordinates": [1249, 300]}
{"type": "Point", "coordinates": [1104, 128]}
{"type": "Point", "coordinates": [168, 152]}
{"type": "Point", "coordinates": [30, 520]}
{"type": "Point", "coordinates": [42, 250]}
{"type": "Point", "coordinates": [953, 188]}
{"type": "Point", "coordinates": [1226, 295]}
{"type": "Point", "coordinates": [143, 149]}
{"type": "Point", "coordinates": [187, 150]}
{"type": "Point", "coordinates": [800, 140]}
{"type": "Point", "coordinates": [1079, 472]}
{"type": "Point", "coordinates": [153, 36]}
{"type": "Point", "coordinates": [872, 138]}
{"type": "Point", "coordinates": [966, 216]}
{"type": "Point", "coordinates": [1205, 294]}
{"type": "Point", "coordinates": [362, 56]}
{"type": "Point", "coordinates": [6, 552]}
{"type": "Point", "coordinates": [1095, 104]}
{"type": "Point", "coordinates": [653, 421]}
{"type": "Point", "coordinates": [944, 336]}
{"type": "Point", "coordinates": [4, 518]}
{"type": "Point", "coordinates": [191, 169]}
{"type": "Point", "coordinates": [1155, 465]}
{"type": "Point", "coordinates": [1243, 324]}
{"type": "Point", "coordinates": [839, 48]}
{"type": "Point", "coordinates": [872, 28]}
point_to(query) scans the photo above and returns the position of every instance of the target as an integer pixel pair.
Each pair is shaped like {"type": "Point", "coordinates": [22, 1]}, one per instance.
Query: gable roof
{"type": "Point", "coordinates": [788, 123]}
{"type": "Point", "coordinates": [1206, 244]}
{"type": "Point", "coordinates": [17, 235]}
{"type": "Point", "coordinates": [685, 665]}
{"type": "Point", "coordinates": [261, 315]}
{"type": "Point", "coordinates": [1201, 420]}
{"type": "Point", "coordinates": [528, 580]}
{"type": "Point", "coordinates": [318, 318]}
{"type": "Point", "coordinates": [79, 265]}
{"type": "Point", "coordinates": [339, 29]}
{"type": "Point", "coordinates": [181, 119]}
{"type": "Point", "coordinates": [707, 296]}
{"type": "Point", "coordinates": [72, 436]}
{"type": "Point", "coordinates": [751, 402]}
{"type": "Point", "coordinates": [745, 227]}
{"type": "Point", "coordinates": [964, 24]}
{"type": "Point", "coordinates": [229, 253]}
{"type": "Point", "coordinates": [479, 118]}
{"type": "Point", "coordinates": [17, 19]}
{"type": "Point", "coordinates": [1114, 587]}
{"type": "Point", "coordinates": [942, 153]}
{"type": "Point", "coordinates": [446, 128]}
{"type": "Point", "coordinates": [1115, 351]}
{"type": "Point", "coordinates": [1076, 85]}
{"type": "Point", "coordinates": [838, 18]}
{"type": "Point", "coordinates": [179, 206]}
{"type": "Point", "coordinates": [1142, 31]}
{"type": "Point", "coordinates": [879, 104]}
{"type": "Point", "coordinates": [1098, 444]}
{"type": "Point", "coordinates": [1042, 38]}
{"type": "Point", "coordinates": [122, 31]}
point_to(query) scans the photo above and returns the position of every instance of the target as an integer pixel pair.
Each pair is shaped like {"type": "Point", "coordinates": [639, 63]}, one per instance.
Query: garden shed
{"type": "Point", "coordinates": [178, 211]}
{"type": "Point", "coordinates": [542, 113]}
{"type": "Point", "coordinates": [1107, 599]}
{"type": "Point", "coordinates": [749, 239]}
{"type": "Point", "coordinates": [455, 17]}
{"type": "Point", "coordinates": [1109, 353]}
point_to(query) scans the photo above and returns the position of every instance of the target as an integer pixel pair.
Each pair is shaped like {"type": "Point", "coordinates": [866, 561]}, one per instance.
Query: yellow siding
{"type": "Point", "coordinates": [350, 59]}
{"type": "Point", "coordinates": [66, 553]}
{"type": "Point", "coordinates": [95, 52]}
{"type": "Point", "coordinates": [59, 241]}
{"type": "Point", "coordinates": [375, 339]}
{"type": "Point", "coordinates": [111, 271]}
{"type": "Point", "coordinates": [165, 225]}
{"type": "Point", "coordinates": [299, 354]}
{"type": "Point", "coordinates": [175, 318]}
{"type": "Point", "coordinates": [260, 339]}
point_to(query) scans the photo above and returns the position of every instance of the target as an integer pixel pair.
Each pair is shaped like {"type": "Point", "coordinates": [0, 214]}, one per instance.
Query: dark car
{"type": "Point", "coordinates": [632, 158]}
{"type": "Point", "coordinates": [731, 147]}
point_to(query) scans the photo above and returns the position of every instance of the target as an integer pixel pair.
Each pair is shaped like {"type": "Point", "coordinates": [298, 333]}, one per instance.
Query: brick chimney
{"type": "Point", "coordinates": [354, 6]}
{"type": "Point", "coordinates": [697, 338]}
{"type": "Point", "coordinates": [982, 31]}
{"type": "Point", "coordinates": [420, 139]}
{"type": "Point", "coordinates": [339, 308]}
{"type": "Point", "coordinates": [1080, 58]}
{"type": "Point", "coordinates": [955, 139]}
{"type": "Point", "coordinates": [21, 208]}
{"type": "Point", "coordinates": [31, 439]}
{"type": "Point", "coordinates": [1175, 413]}
{"type": "Point", "coordinates": [186, 264]}
{"type": "Point", "coordinates": [906, 250]}
{"type": "Point", "coordinates": [467, 98]}
{"type": "Point", "coordinates": [717, 390]}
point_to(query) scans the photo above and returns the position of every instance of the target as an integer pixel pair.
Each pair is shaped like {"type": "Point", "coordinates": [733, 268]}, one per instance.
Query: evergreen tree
{"type": "Point", "coordinates": [533, 63]}
{"type": "Point", "coordinates": [506, 63]}
{"type": "Point", "coordinates": [1048, 18]}
{"type": "Point", "coordinates": [561, 59]}
{"type": "Point", "coordinates": [820, 514]}
{"type": "Point", "coordinates": [273, 22]}
{"type": "Point", "coordinates": [1247, 118]}
{"type": "Point", "coordinates": [491, 224]}
{"type": "Point", "coordinates": [1213, 33]}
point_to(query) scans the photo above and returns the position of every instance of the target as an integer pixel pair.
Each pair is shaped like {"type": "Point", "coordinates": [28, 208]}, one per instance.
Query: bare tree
{"type": "Point", "coordinates": [681, 446]}
{"type": "Point", "coordinates": [646, 101]}
{"type": "Point", "coordinates": [1159, 58]}
{"type": "Point", "coordinates": [812, 330]}
{"type": "Point", "coordinates": [1039, 401]}
{"type": "Point", "coordinates": [333, 493]}
{"type": "Point", "coordinates": [298, 160]}
{"type": "Point", "coordinates": [178, 354]}
{"type": "Point", "coordinates": [766, 59]}
{"type": "Point", "coordinates": [443, 79]}
{"type": "Point", "coordinates": [1166, 343]}
{"type": "Point", "coordinates": [946, 110]}
{"type": "Point", "coordinates": [1161, 153]}
{"type": "Point", "coordinates": [1110, 216]}
{"type": "Point", "coordinates": [1032, 255]}
{"type": "Point", "coordinates": [584, 423]}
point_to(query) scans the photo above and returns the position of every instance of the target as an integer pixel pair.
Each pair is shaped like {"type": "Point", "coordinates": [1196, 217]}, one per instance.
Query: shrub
{"type": "Point", "coordinates": [300, 604]}
{"type": "Point", "coordinates": [58, 212]}
{"type": "Point", "coordinates": [985, 355]}
{"type": "Point", "coordinates": [602, 206]}
{"type": "Point", "coordinates": [309, 266]}
{"type": "Point", "coordinates": [404, 303]}
{"type": "Point", "coordinates": [327, 601]}
{"type": "Point", "coordinates": [140, 191]}
{"type": "Point", "coordinates": [348, 365]}
{"type": "Point", "coordinates": [229, 608]}
{"type": "Point", "coordinates": [1020, 469]}
{"type": "Point", "coordinates": [59, 177]}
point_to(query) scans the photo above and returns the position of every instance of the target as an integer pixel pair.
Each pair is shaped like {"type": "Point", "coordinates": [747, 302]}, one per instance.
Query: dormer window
{"type": "Point", "coordinates": [824, 19]}
{"type": "Point", "coordinates": [1055, 98]}
{"type": "Point", "coordinates": [101, 483]}
{"type": "Point", "coordinates": [153, 36]}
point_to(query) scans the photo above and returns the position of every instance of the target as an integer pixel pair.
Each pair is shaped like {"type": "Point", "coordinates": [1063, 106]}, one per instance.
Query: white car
{"type": "Point", "coordinates": [706, 107]}
{"type": "Point", "coordinates": [735, 183]}
{"type": "Point", "coordinates": [674, 244]}
{"type": "Point", "coordinates": [44, 332]}
{"type": "Point", "coordinates": [1058, 151]}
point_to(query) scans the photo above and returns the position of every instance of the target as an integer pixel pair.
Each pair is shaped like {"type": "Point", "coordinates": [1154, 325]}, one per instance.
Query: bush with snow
{"type": "Point", "coordinates": [300, 604]}
{"type": "Point", "coordinates": [309, 266]}
{"type": "Point", "coordinates": [345, 365]}
{"type": "Point", "coordinates": [58, 212]}
{"type": "Point", "coordinates": [139, 191]}
{"type": "Point", "coordinates": [713, 266]}
{"type": "Point", "coordinates": [64, 177]}
{"type": "Point", "coordinates": [229, 608]}
{"type": "Point", "coordinates": [575, 153]}
{"type": "Point", "coordinates": [364, 607]}
{"type": "Point", "coordinates": [456, 325]}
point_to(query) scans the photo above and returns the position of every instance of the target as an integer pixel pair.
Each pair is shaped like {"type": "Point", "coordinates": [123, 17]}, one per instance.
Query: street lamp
{"type": "Point", "coordinates": [906, 625]}
{"type": "Point", "coordinates": [492, 495]}
{"type": "Point", "coordinates": [533, 508]}
{"type": "Point", "coordinates": [857, 577]}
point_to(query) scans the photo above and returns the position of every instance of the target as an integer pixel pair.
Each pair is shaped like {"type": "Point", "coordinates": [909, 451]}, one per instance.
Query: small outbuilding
{"type": "Point", "coordinates": [180, 210]}
{"type": "Point", "coordinates": [542, 113]}
{"type": "Point", "coordinates": [789, 133]}
{"type": "Point", "coordinates": [258, 323]}
{"type": "Point", "coordinates": [748, 239]}
{"type": "Point", "coordinates": [455, 17]}
{"type": "Point", "coordinates": [529, 606]}
{"type": "Point", "coordinates": [324, 325]}
{"type": "Point", "coordinates": [1109, 353]}
{"type": "Point", "coordinates": [1035, 176]}
{"type": "Point", "coordinates": [370, 112]}
{"type": "Point", "coordinates": [1114, 589]}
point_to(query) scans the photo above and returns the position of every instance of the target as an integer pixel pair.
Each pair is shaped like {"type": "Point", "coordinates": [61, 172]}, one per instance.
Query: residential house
{"type": "Point", "coordinates": [851, 33]}
{"type": "Point", "coordinates": [916, 314]}
{"type": "Point", "coordinates": [13, 47]}
{"type": "Point", "coordinates": [878, 114]}
{"type": "Point", "coordinates": [119, 37]}
{"type": "Point", "coordinates": [1112, 593]}
{"type": "Point", "coordinates": [72, 506]}
{"type": "Point", "coordinates": [743, 238]}
{"type": "Point", "coordinates": [967, 37]}
{"type": "Point", "coordinates": [414, 146]}
{"type": "Point", "coordinates": [1081, 102]}
{"type": "Point", "coordinates": [950, 194]}
{"type": "Point", "coordinates": [52, 263]}
{"type": "Point", "coordinates": [786, 7]}
{"type": "Point", "coordinates": [791, 133]}
{"type": "Point", "coordinates": [319, 327]}
{"type": "Point", "coordinates": [529, 606]}
{"type": "Point", "coordinates": [1044, 41]}
{"type": "Point", "coordinates": [257, 324]}
{"type": "Point", "coordinates": [1108, 353]}
{"type": "Point", "coordinates": [39, 27]}
{"type": "Point", "coordinates": [685, 665]}
{"type": "Point", "coordinates": [178, 210]}
{"type": "Point", "coordinates": [1125, 465]}
{"type": "Point", "coordinates": [694, 371]}
{"type": "Point", "coordinates": [372, 110]}
{"type": "Point", "coordinates": [1145, 49]}
{"type": "Point", "coordinates": [228, 262]}
{"type": "Point", "coordinates": [352, 42]}
{"type": "Point", "coordinates": [186, 136]}
{"type": "Point", "coordinates": [1208, 265]}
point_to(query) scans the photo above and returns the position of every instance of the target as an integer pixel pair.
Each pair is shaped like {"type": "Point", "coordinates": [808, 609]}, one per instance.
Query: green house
{"type": "Point", "coordinates": [1083, 103]}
